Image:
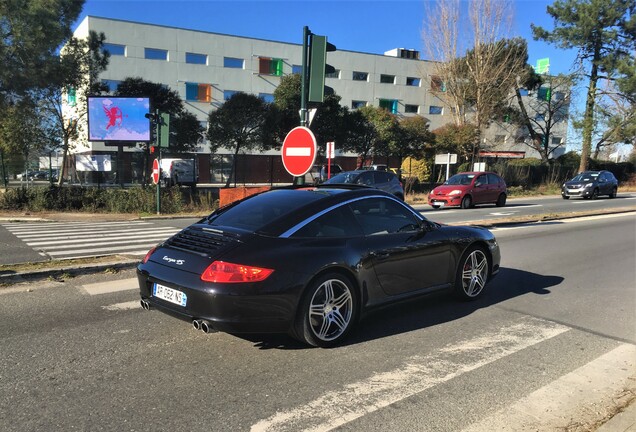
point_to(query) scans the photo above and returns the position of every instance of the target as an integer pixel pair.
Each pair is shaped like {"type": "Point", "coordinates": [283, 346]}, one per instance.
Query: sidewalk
{"type": "Point", "coordinates": [624, 421]}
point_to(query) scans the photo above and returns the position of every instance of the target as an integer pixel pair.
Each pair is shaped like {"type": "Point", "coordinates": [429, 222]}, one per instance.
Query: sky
{"type": "Point", "coordinates": [369, 26]}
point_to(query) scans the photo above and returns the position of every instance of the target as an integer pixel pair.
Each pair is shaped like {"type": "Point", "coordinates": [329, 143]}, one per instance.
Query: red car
{"type": "Point", "coordinates": [468, 189]}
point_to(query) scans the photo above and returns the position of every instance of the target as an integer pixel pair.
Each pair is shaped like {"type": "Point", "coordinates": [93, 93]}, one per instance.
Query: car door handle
{"type": "Point", "coordinates": [382, 255]}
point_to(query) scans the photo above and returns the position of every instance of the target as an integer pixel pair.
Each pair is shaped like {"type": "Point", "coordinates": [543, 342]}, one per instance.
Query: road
{"type": "Point", "coordinates": [44, 241]}
{"type": "Point", "coordinates": [550, 345]}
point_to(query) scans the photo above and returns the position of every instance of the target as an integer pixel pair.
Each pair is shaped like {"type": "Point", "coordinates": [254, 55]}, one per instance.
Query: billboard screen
{"type": "Point", "coordinates": [118, 118]}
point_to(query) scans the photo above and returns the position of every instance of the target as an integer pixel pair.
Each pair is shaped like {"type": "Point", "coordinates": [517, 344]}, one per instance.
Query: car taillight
{"type": "Point", "coordinates": [224, 272]}
{"type": "Point", "coordinates": [147, 257]}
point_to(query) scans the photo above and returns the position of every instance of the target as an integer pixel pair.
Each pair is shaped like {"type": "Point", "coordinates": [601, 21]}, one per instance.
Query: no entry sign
{"type": "Point", "coordinates": [155, 171]}
{"type": "Point", "coordinates": [299, 151]}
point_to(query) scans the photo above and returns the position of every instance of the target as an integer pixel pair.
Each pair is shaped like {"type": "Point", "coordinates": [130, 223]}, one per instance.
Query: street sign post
{"type": "Point", "coordinates": [299, 151]}
{"type": "Point", "coordinates": [330, 150]}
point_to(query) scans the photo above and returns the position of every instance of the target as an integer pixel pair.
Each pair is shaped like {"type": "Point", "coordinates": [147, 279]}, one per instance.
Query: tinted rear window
{"type": "Point", "coordinates": [260, 210]}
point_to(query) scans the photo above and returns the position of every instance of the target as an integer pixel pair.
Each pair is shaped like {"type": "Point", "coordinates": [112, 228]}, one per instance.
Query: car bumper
{"type": "Point", "coordinates": [585, 193]}
{"type": "Point", "coordinates": [230, 308]}
{"type": "Point", "coordinates": [445, 201]}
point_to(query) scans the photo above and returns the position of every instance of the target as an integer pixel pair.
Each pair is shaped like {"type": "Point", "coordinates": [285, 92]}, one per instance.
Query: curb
{"type": "Point", "coordinates": [76, 270]}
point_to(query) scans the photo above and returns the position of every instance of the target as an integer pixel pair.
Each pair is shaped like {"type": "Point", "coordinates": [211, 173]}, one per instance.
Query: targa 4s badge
{"type": "Point", "coordinates": [173, 260]}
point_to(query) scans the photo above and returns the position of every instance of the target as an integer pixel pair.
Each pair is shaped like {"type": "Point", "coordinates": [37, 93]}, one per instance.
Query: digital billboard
{"type": "Point", "coordinates": [118, 118]}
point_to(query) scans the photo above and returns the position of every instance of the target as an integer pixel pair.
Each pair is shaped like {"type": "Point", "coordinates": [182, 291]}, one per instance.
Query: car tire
{"type": "Point", "coordinates": [327, 311]}
{"type": "Point", "coordinates": [472, 274]}
{"type": "Point", "coordinates": [467, 202]}
{"type": "Point", "coordinates": [613, 193]}
{"type": "Point", "coordinates": [565, 197]}
{"type": "Point", "coordinates": [594, 194]}
{"type": "Point", "coordinates": [501, 200]}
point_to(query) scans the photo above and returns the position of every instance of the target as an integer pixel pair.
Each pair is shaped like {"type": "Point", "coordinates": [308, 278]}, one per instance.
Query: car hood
{"type": "Point", "coordinates": [446, 189]}
{"type": "Point", "coordinates": [575, 184]}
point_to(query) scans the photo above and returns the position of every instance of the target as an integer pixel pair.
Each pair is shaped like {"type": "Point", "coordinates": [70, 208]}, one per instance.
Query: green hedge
{"type": "Point", "coordinates": [93, 200]}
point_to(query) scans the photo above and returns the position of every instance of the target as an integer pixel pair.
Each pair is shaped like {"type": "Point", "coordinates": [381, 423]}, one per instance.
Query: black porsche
{"type": "Point", "coordinates": [310, 262]}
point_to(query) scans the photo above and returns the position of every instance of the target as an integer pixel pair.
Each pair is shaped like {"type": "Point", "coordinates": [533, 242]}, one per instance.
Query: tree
{"type": "Point", "coordinates": [537, 118]}
{"type": "Point", "coordinates": [22, 131]}
{"type": "Point", "coordinates": [603, 32]}
{"type": "Point", "coordinates": [30, 34]}
{"type": "Point", "coordinates": [240, 123]}
{"type": "Point", "coordinates": [414, 139]}
{"type": "Point", "coordinates": [477, 65]}
{"type": "Point", "coordinates": [185, 130]}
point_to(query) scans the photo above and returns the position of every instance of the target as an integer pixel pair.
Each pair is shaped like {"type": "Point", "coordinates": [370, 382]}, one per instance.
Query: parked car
{"type": "Point", "coordinates": [310, 261]}
{"type": "Point", "coordinates": [178, 171]}
{"type": "Point", "coordinates": [383, 180]}
{"type": "Point", "coordinates": [590, 184]}
{"type": "Point", "coordinates": [467, 189]}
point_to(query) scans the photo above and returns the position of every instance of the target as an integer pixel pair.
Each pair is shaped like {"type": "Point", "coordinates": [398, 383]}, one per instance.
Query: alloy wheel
{"type": "Point", "coordinates": [474, 273]}
{"type": "Point", "coordinates": [330, 310]}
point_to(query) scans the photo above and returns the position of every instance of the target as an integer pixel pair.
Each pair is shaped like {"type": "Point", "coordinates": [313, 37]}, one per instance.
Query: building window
{"type": "Point", "coordinates": [387, 79]}
{"type": "Point", "coordinates": [411, 109]}
{"type": "Point", "coordinates": [194, 58]}
{"type": "Point", "coordinates": [270, 66]}
{"type": "Point", "coordinates": [523, 92]}
{"type": "Point", "coordinates": [234, 63]}
{"type": "Point", "coordinates": [267, 97]}
{"type": "Point", "coordinates": [114, 49]}
{"type": "Point", "coordinates": [435, 110]}
{"type": "Point", "coordinates": [155, 54]}
{"type": "Point", "coordinates": [198, 92]}
{"type": "Point", "coordinates": [544, 93]}
{"type": "Point", "coordinates": [334, 74]}
{"type": "Point", "coordinates": [437, 84]}
{"type": "Point", "coordinates": [111, 84]}
{"type": "Point", "coordinates": [390, 105]}
{"type": "Point", "coordinates": [500, 139]}
{"type": "Point", "coordinates": [360, 76]}
{"type": "Point", "coordinates": [227, 94]}
{"type": "Point", "coordinates": [358, 104]}
{"type": "Point", "coordinates": [556, 141]}
{"type": "Point", "coordinates": [297, 69]}
{"type": "Point", "coordinates": [71, 98]}
{"type": "Point", "coordinates": [412, 81]}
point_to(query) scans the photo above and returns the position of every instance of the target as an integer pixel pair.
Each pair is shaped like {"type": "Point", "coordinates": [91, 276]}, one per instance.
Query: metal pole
{"type": "Point", "coordinates": [158, 142]}
{"type": "Point", "coordinates": [303, 79]}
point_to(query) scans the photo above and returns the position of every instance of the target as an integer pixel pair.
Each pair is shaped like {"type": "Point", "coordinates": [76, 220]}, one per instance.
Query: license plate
{"type": "Point", "coordinates": [169, 294]}
{"type": "Point", "coordinates": [439, 203]}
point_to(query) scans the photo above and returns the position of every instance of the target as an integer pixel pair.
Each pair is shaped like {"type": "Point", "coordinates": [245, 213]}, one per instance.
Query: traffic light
{"type": "Point", "coordinates": [318, 67]}
{"type": "Point", "coordinates": [164, 133]}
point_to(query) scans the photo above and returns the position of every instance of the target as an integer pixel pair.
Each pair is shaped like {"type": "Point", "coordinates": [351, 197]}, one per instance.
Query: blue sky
{"type": "Point", "coordinates": [370, 26]}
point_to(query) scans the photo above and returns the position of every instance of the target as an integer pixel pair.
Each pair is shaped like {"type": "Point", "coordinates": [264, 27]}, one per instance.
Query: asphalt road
{"type": "Point", "coordinates": [550, 345]}
{"type": "Point", "coordinates": [20, 243]}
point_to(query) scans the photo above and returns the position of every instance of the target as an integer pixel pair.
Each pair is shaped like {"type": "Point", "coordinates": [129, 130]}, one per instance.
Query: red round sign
{"type": "Point", "coordinates": [155, 171]}
{"type": "Point", "coordinates": [299, 151]}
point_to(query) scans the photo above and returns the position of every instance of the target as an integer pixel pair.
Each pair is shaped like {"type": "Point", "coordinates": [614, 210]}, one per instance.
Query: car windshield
{"type": "Point", "coordinates": [585, 177]}
{"type": "Point", "coordinates": [460, 179]}
{"type": "Point", "coordinates": [258, 211]}
{"type": "Point", "coordinates": [344, 177]}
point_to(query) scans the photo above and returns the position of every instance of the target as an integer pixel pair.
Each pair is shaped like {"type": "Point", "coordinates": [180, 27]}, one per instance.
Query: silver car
{"type": "Point", "coordinates": [384, 180]}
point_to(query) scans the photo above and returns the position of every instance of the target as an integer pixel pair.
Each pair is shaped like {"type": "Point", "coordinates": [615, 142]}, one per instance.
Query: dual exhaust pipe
{"type": "Point", "coordinates": [204, 325]}
{"type": "Point", "coordinates": [199, 324]}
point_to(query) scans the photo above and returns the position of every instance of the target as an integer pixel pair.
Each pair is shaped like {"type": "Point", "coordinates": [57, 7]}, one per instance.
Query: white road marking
{"type": "Point", "coordinates": [111, 286]}
{"type": "Point", "coordinates": [577, 395]}
{"type": "Point", "coordinates": [107, 237]}
{"type": "Point", "coordinates": [419, 373]}
{"type": "Point", "coordinates": [123, 306]}
{"type": "Point", "coordinates": [565, 221]}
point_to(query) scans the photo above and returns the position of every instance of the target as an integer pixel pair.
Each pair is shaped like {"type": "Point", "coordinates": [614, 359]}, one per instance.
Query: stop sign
{"type": "Point", "coordinates": [155, 171]}
{"type": "Point", "coordinates": [299, 151]}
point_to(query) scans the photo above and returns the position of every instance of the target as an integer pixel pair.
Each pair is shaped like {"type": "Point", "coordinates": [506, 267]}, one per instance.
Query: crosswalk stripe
{"type": "Point", "coordinates": [111, 286]}
{"type": "Point", "coordinates": [123, 306]}
{"type": "Point", "coordinates": [105, 242]}
{"type": "Point", "coordinates": [68, 240]}
{"type": "Point", "coordinates": [76, 233]}
{"type": "Point", "coordinates": [553, 406]}
{"type": "Point", "coordinates": [419, 373]}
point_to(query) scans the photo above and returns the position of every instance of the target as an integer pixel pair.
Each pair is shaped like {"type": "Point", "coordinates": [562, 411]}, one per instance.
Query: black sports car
{"type": "Point", "coordinates": [310, 261]}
